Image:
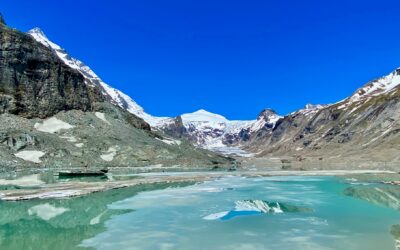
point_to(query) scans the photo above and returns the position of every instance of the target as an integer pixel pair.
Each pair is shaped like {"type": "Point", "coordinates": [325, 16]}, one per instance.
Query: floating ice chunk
{"type": "Point", "coordinates": [32, 156]}
{"type": "Point", "coordinates": [46, 211]}
{"type": "Point", "coordinates": [52, 125]}
{"type": "Point", "coordinates": [254, 207]}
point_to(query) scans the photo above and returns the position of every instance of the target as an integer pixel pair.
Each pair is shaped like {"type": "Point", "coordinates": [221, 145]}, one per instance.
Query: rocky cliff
{"type": "Point", "coordinates": [35, 83]}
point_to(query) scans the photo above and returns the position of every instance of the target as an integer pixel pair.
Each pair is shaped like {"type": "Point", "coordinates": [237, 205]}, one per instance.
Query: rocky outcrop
{"type": "Point", "coordinates": [174, 127]}
{"type": "Point", "coordinates": [35, 83]}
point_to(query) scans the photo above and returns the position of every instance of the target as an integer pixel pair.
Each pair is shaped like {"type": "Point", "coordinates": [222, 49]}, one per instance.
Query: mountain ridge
{"type": "Point", "coordinates": [260, 136]}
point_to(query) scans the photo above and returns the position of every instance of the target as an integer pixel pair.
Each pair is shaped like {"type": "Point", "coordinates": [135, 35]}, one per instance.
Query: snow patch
{"type": "Point", "coordinates": [170, 141]}
{"type": "Point", "coordinates": [102, 117]}
{"type": "Point", "coordinates": [79, 145]}
{"type": "Point", "coordinates": [69, 138]}
{"type": "Point", "coordinates": [110, 154]}
{"type": "Point", "coordinates": [32, 156]}
{"type": "Point", "coordinates": [52, 125]}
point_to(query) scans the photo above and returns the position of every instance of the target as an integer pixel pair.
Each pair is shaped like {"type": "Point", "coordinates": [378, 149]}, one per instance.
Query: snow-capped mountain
{"type": "Point", "coordinates": [366, 118]}
{"type": "Point", "coordinates": [205, 129]}
{"type": "Point", "coordinates": [210, 129]}
{"type": "Point", "coordinates": [215, 132]}
{"type": "Point", "coordinates": [374, 88]}
{"type": "Point", "coordinates": [365, 125]}
{"type": "Point", "coordinates": [115, 96]}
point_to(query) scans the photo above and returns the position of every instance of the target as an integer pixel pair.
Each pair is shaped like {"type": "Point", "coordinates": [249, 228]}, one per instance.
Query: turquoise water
{"type": "Point", "coordinates": [230, 213]}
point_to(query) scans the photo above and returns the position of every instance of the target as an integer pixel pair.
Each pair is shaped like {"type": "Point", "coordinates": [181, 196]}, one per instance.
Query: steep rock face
{"type": "Point", "coordinates": [35, 83]}
{"type": "Point", "coordinates": [264, 124]}
{"type": "Point", "coordinates": [174, 127]}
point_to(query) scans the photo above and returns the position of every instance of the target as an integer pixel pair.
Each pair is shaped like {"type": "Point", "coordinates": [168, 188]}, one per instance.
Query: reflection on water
{"type": "Point", "coordinates": [229, 213]}
{"type": "Point", "coordinates": [60, 224]}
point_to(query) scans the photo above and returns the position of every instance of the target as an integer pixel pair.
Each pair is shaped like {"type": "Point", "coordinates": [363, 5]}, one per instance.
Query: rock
{"type": "Point", "coordinates": [18, 141]}
{"type": "Point", "coordinates": [35, 83]}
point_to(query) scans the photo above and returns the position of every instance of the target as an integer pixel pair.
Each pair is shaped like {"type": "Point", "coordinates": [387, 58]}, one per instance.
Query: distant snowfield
{"type": "Point", "coordinates": [52, 125]}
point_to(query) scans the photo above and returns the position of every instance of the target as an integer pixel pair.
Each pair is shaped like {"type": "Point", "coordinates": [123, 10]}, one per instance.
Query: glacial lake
{"type": "Point", "coordinates": [286, 212]}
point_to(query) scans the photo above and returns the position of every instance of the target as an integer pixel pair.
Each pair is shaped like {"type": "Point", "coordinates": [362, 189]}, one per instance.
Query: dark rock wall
{"type": "Point", "coordinates": [35, 83]}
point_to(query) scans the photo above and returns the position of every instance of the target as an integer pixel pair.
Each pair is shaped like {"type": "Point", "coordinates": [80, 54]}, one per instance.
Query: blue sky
{"type": "Point", "coordinates": [230, 57]}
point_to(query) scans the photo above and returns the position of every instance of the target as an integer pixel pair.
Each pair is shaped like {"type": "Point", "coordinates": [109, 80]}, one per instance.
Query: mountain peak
{"type": "Point", "coordinates": [37, 31]}
{"type": "Point", "coordinates": [376, 87]}
{"type": "Point", "coordinates": [202, 115]}
{"type": "Point", "coordinates": [203, 111]}
{"type": "Point", "coordinates": [267, 112]}
{"type": "Point", "coordinates": [116, 96]}
{"type": "Point", "coordinates": [39, 36]}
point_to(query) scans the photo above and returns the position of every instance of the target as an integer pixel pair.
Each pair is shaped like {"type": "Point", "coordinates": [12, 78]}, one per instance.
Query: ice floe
{"type": "Point", "coordinates": [253, 207]}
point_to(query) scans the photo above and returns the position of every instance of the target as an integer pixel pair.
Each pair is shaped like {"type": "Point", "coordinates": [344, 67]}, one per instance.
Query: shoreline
{"type": "Point", "coordinates": [77, 189]}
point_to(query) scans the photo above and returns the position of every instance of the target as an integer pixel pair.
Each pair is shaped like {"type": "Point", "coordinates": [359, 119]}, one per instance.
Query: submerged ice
{"type": "Point", "coordinates": [252, 207]}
